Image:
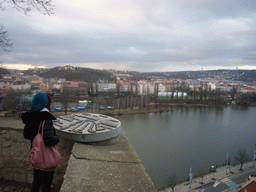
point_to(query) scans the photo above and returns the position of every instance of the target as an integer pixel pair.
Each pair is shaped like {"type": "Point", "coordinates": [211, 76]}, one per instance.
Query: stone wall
{"type": "Point", "coordinates": [105, 166]}
{"type": "Point", "coordinates": [14, 153]}
{"type": "Point", "coordinates": [111, 166]}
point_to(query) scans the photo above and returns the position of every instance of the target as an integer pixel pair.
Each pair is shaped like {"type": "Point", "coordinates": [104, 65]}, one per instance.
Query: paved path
{"type": "Point", "coordinates": [13, 186]}
{"type": "Point", "coordinates": [220, 176]}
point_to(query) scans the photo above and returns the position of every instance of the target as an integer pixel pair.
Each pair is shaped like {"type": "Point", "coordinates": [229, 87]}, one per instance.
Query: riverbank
{"type": "Point", "coordinates": [129, 111]}
{"type": "Point", "coordinates": [113, 112]}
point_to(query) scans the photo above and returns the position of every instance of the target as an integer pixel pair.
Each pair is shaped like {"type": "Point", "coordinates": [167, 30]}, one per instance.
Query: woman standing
{"type": "Point", "coordinates": [40, 111]}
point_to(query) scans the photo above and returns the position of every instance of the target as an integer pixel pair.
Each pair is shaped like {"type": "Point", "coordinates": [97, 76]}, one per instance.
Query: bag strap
{"type": "Point", "coordinates": [41, 126]}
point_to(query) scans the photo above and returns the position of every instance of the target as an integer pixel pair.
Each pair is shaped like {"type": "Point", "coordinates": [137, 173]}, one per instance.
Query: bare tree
{"type": "Point", "coordinates": [22, 101]}
{"type": "Point", "coordinates": [172, 180]}
{"type": "Point", "coordinates": [201, 172]}
{"type": "Point", "coordinates": [65, 98]}
{"type": "Point", "coordinates": [136, 89]}
{"type": "Point", "coordinates": [5, 43]}
{"type": "Point", "coordinates": [118, 88]}
{"type": "Point", "coordinates": [201, 92]}
{"type": "Point", "coordinates": [233, 92]}
{"type": "Point", "coordinates": [241, 157]}
{"type": "Point", "coordinates": [9, 101]}
{"type": "Point", "coordinates": [156, 94]}
{"type": "Point", "coordinates": [229, 163]}
{"type": "Point", "coordinates": [194, 92]}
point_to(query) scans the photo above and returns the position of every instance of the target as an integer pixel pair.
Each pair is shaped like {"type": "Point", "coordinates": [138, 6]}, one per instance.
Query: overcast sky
{"type": "Point", "coordinates": [140, 35]}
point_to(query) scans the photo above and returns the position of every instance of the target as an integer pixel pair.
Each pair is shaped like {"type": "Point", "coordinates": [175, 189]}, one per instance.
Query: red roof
{"type": "Point", "coordinates": [4, 90]}
{"type": "Point", "coordinates": [251, 187]}
{"type": "Point", "coordinates": [73, 83]}
{"type": "Point", "coordinates": [168, 83]}
{"type": "Point", "coordinates": [249, 88]}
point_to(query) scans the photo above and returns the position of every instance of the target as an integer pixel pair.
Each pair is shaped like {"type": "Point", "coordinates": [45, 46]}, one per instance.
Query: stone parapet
{"type": "Point", "coordinates": [106, 168]}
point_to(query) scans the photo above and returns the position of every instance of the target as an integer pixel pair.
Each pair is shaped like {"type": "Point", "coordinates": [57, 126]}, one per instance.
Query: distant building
{"type": "Point", "coordinates": [35, 83]}
{"type": "Point", "coordinates": [21, 86]}
{"type": "Point", "coordinates": [105, 86]}
{"type": "Point", "coordinates": [212, 86]}
{"type": "Point", "coordinates": [6, 84]}
{"type": "Point", "coordinates": [169, 86]}
{"type": "Point", "coordinates": [126, 87]}
{"type": "Point", "coordinates": [82, 86]}
{"type": "Point", "coordinates": [53, 80]}
{"type": "Point", "coordinates": [72, 86]}
{"type": "Point", "coordinates": [66, 67]}
{"type": "Point", "coordinates": [62, 80]}
{"type": "Point", "coordinates": [43, 87]}
{"type": "Point", "coordinates": [224, 87]}
{"type": "Point", "coordinates": [161, 88]}
{"type": "Point", "coordinates": [49, 86]}
{"type": "Point", "coordinates": [248, 90]}
{"type": "Point", "coordinates": [8, 77]}
{"type": "Point", "coordinates": [192, 81]}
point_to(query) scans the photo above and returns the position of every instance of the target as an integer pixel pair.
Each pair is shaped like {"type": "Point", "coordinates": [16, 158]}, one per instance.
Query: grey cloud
{"type": "Point", "coordinates": [219, 8]}
{"type": "Point", "coordinates": [184, 32]}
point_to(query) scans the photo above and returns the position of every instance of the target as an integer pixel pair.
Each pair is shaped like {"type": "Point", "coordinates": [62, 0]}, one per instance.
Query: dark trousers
{"type": "Point", "coordinates": [42, 178]}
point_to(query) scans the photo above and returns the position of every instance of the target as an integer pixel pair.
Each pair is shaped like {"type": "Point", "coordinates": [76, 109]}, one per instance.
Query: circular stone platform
{"type": "Point", "coordinates": [87, 127]}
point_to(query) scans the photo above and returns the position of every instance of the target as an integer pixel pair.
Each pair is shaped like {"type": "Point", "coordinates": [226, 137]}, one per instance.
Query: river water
{"type": "Point", "coordinates": [196, 137]}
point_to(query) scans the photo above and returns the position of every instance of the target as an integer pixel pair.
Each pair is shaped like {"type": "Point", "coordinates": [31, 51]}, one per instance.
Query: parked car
{"type": "Point", "coordinates": [59, 108]}
{"type": "Point", "coordinates": [101, 107]}
{"type": "Point", "coordinates": [80, 108]}
{"type": "Point", "coordinates": [73, 109]}
{"type": "Point", "coordinates": [110, 107]}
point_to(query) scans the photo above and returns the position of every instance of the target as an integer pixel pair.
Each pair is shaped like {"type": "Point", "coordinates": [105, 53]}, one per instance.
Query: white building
{"type": "Point", "coordinates": [106, 86]}
{"type": "Point", "coordinates": [161, 88]}
{"type": "Point", "coordinates": [146, 88]}
{"type": "Point", "coordinates": [21, 86]}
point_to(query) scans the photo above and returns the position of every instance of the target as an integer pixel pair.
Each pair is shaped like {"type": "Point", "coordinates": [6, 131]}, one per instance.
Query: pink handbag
{"type": "Point", "coordinates": [41, 155]}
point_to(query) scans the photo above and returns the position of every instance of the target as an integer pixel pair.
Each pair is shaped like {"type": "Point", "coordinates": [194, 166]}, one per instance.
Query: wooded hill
{"type": "Point", "coordinates": [4, 71]}
{"type": "Point", "coordinates": [78, 74]}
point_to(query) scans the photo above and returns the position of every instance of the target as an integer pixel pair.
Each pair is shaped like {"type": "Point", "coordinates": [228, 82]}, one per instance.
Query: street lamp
{"type": "Point", "coordinates": [190, 175]}
{"type": "Point", "coordinates": [227, 164]}
{"type": "Point", "coordinates": [253, 158]}
{"type": "Point", "coordinates": [213, 169]}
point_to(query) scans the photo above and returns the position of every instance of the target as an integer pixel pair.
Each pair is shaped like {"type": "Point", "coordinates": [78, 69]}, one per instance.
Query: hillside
{"type": "Point", "coordinates": [78, 74]}
{"type": "Point", "coordinates": [237, 75]}
{"type": "Point", "coordinates": [4, 71]}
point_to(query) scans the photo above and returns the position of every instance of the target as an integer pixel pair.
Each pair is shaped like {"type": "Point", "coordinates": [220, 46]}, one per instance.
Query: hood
{"type": "Point", "coordinates": [31, 117]}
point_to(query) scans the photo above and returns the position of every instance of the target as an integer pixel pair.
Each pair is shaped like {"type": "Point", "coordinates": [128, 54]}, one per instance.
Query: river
{"type": "Point", "coordinates": [196, 137]}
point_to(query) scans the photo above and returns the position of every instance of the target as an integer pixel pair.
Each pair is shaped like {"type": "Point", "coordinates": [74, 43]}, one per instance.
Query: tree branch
{"type": "Point", "coordinates": [44, 6]}
{"type": "Point", "coordinates": [4, 41]}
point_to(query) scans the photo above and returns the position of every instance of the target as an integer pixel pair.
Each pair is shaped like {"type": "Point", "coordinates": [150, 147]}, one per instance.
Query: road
{"type": "Point", "coordinates": [227, 183]}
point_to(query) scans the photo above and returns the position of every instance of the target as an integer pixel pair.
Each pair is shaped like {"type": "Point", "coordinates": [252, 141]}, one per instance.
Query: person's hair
{"type": "Point", "coordinates": [48, 106]}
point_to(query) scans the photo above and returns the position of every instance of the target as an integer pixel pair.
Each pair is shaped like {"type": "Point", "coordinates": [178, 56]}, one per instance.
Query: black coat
{"type": "Point", "coordinates": [32, 121]}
